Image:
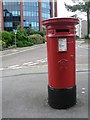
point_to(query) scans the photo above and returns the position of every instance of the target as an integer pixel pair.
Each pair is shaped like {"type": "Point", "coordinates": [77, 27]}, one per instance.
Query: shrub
{"type": "Point", "coordinates": [13, 38]}
{"type": "Point", "coordinates": [19, 44]}
{"type": "Point", "coordinates": [24, 37]}
{"type": "Point", "coordinates": [44, 39]}
{"type": "Point", "coordinates": [35, 39]}
{"type": "Point", "coordinates": [21, 37]}
{"type": "Point", "coordinates": [2, 45]}
{"type": "Point", "coordinates": [21, 34]}
{"type": "Point", "coordinates": [31, 31]}
{"type": "Point", "coordinates": [24, 44]}
{"type": "Point", "coordinates": [86, 37]}
{"type": "Point", "coordinates": [77, 37]}
{"type": "Point", "coordinates": [6, 37]}
{"type": "Point", "coordinates": [42, 33]}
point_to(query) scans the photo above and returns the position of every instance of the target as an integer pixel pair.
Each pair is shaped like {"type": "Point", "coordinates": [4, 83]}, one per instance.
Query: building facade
{"type": "Point", "coordinates": [83, 28]}
{"type": "Point", "coordinates": [89, 23]}
{"type": "Point", "coordinates": [26, 13]}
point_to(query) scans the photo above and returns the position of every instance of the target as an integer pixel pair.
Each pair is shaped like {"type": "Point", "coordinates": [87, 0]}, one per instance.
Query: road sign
{"type": "Point", "coordinates": [15, 31]}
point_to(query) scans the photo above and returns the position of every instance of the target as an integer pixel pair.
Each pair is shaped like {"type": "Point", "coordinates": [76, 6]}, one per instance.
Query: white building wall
{"type": "Point", "coordinates": [83, 28]}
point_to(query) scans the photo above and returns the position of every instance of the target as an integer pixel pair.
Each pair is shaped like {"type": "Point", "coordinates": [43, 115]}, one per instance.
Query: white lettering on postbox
{"type": "Point", "coordinates": [62, 44]}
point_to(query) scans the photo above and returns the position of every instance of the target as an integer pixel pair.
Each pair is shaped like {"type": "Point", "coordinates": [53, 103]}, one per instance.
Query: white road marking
{"type": "Point", "coordinates": [83, 92]}
{"type": "Point", "coordinates": [83, 88]}
{"type": "Point", "coordinates": [42, 60]}
{"type": "Point", "coordinates": [27, 63]}
{"type": "Point", "coordinates": [13, 66]}
{"type": "Point", "coordinates": [32, 64]}
{"type": "Point", "coordinates": [17, 67]}
{"type": "Point", "coordinates": [1, 69]}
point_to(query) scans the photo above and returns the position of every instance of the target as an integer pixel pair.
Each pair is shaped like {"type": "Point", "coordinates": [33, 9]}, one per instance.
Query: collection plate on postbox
{"type": "Point", "coordinates": [62, 44]}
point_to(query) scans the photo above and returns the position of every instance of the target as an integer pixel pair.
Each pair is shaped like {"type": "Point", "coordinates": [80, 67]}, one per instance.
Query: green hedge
{"type": "Point", "coordinates": [35, 39]}
{"type": "Point", "coordinates": [6, 38]}
{"type": "Point", "coordinates": [86, 37]}
{"type": "Point", "coordinates": [3, 44]}
{"type": "Point", "coordinates": [23, 39]}
{"type": "Point", "coordinates": [25, 44]}
{"type": "Point", "coordinates": [42, 33]}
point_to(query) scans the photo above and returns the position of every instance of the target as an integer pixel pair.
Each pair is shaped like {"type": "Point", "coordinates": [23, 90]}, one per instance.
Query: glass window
{"type": "Point", "coordinates": [14, 13]}
{"type": "Point", "coordinates": [36, 3]}
{"type": "Point", "coordinates": [4, 13]}
{"type": "Point", "coordinates": [48, 15]}
{"type": "Point", "coordinates": [4, 3]}
{"type": "Point", "coordinates": [8, 24]}
{"type": "Point", "coordinates": [26, 24]}
{"type": "Point", "coordinates": [34, 14]}
{"type": "Point", "coordinates": [37, 24]}
{"type": "Point", "coordinates": [33, 24]}
{"type": "Point", "coordinates": [37, 13]}
{"type": "Point", "coordinates": [26, 13]}
{"type": "Point", "coordinates": [27, 18]}
{"type": "Point", "coordinates": [44, 4]}
{"type": "Point", "coordinates": [35, 8]}
{"type": "Point", "coordinates": [7, 14]}
{"type": "Point", "coordinates": [45, 10]}
{"type": "Point", "coordinates": [34, 19]}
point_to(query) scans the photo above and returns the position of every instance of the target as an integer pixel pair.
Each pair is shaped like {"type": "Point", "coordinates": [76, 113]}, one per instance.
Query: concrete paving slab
{"type": "Point", "coordinates": [25, 96]}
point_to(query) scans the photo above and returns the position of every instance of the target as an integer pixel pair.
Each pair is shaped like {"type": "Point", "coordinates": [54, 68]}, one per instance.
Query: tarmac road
{"type": "Point", "coordinates": [24, 86]}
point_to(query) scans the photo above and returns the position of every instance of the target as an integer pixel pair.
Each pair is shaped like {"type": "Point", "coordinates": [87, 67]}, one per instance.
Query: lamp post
{"type": "Point", "coordinates": [89, 21]}
{"type": "Point", "coordinates": [88, 18]}
{"type": "Point", "coordinates": [15, 31]}
{"type": "Point", "coordinates": [15, 40]}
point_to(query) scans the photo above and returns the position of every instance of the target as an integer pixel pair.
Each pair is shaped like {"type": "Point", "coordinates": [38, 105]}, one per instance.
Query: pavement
{"type": "Point", "coordinates": [16, 50]}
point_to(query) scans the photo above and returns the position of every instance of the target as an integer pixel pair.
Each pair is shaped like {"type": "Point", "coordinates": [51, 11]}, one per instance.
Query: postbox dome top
{"type": "Point", "coordinates": [56, 20]}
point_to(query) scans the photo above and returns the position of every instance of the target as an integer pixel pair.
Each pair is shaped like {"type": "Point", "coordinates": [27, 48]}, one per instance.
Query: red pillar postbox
{"type": "Point", "coordinates": [60, 34]}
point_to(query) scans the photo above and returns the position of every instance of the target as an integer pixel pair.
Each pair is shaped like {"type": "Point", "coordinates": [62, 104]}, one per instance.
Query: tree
{"type": "Point", "coordinates": [80, 6]}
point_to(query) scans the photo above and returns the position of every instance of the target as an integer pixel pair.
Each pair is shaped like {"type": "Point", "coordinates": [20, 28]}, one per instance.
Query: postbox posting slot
{"type": "Point", "coordinates": [62, 30]}
{"type": "Point", "coordinates": [62, 44]}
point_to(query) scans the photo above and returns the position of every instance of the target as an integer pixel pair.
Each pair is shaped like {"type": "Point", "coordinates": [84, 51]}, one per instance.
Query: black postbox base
{"type": "Point", "coordinates": [61, 98]}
